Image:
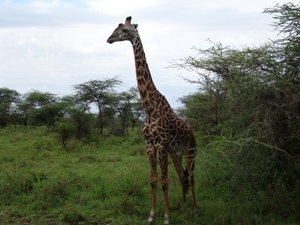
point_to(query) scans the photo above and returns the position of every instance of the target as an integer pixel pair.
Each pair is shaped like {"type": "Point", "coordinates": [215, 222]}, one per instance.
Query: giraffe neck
{"type": "Point", "coordinates": [145, 83]}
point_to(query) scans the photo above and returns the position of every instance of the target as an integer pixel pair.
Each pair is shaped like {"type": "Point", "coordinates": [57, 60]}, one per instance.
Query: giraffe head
{"type": "Point", "coordinates": [124, 32]}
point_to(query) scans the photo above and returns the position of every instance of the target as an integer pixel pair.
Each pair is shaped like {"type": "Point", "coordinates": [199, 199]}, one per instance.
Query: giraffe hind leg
{"type": "Point", "coordinates": [186, 180]}
{"type": "Point", "coordinates": [190, 164]}
{"type": "Point", "coordinates": [182, 174]}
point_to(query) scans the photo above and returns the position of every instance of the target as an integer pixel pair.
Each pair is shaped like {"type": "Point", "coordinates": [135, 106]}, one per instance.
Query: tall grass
{"type": "Point", "coordinates": [106, 181]}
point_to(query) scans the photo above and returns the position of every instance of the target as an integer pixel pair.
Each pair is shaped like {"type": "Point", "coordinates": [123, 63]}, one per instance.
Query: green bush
{"type": "Point", "coordinates": [65, 131]}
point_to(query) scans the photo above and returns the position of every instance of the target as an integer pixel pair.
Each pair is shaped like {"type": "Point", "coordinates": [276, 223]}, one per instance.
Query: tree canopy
{"type": "Point", "coordinates": [97, 92]}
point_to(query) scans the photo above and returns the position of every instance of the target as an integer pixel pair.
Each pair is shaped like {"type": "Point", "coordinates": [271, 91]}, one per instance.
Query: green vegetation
{"type": "Point", "coordinates": [100, 182]}
{"type": "Point", "coordinates": [106, 181]}
{"type": "Point", "coordinates": [61, 164]}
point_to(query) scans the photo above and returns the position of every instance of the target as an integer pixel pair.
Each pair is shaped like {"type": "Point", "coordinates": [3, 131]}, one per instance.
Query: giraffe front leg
{"type": "Point", "coordinates": [153, 200]}
{"type": "Point", "coordinates": [152, 159]}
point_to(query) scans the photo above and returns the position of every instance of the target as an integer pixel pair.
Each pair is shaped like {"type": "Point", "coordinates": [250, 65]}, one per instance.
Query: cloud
{"type": "Point", "coordinates": [45, 6]}
{"type": "Point", "coordinates": [117, 7]}
{"type": "Point", "coordinates": [52, 45]}
{"type": "Point", "coordinates": [56, 13]}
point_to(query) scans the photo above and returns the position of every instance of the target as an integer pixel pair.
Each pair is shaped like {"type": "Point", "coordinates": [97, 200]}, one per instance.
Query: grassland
{"type": "Point", "coordinates": [106, 181]}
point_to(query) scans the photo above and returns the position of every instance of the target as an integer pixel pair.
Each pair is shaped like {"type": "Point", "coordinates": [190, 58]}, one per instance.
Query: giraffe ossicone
{"type": "Point", "coordinates": [165, 133]}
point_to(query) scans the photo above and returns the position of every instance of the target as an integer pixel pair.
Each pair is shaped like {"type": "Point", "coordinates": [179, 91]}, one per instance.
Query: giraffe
{"type": "Point", "coordinates": [164, 132]}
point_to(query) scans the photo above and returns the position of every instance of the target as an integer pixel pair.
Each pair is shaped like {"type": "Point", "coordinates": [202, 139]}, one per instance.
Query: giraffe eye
{"type": "Point", "coordinates": [125, 30]}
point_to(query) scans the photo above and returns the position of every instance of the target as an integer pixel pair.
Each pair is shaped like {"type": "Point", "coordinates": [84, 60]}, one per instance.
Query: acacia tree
{"type": "Point", "coordinates": [40, 107]}
{"type": "Point", "coordinates": [251, 98]}
{"type": "Point", "coordinates": [287, 17]}
{"type": "Point", "coordinates": [97, 92]}
{"type": "Point", "coordinates": [8, 98]}
{"type": "Point", "coordinates": [75, 120]}
{"type": "Point", "coordinates": [126, 104]}
{"type": "Point", "coordinates": [24, 109]}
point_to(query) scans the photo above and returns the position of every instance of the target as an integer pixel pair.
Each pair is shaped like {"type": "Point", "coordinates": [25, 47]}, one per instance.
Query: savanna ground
{"type": "Point", "coordinates": [105, 180]}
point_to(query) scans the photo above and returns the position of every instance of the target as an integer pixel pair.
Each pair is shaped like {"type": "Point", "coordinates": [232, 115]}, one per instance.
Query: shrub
{"type": "Point", "coordinates": [65, 131]}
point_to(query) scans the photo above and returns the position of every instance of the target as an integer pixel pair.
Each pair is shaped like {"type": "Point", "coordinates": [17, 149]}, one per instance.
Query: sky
{"type": "Point", "coordinates": [52, 45]}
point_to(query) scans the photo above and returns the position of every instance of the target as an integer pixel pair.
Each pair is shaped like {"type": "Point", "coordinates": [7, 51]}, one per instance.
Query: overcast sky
{"type": "Point", "coordinates": [52, 45]}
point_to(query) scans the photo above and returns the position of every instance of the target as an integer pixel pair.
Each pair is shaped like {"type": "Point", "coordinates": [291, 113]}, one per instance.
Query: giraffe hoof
{"type": "Point", "coordinates": [166, 220]}
{"type": "Point", "coordinates": [150, 221]}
